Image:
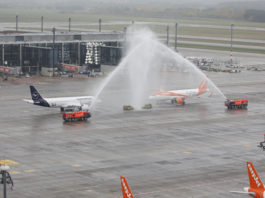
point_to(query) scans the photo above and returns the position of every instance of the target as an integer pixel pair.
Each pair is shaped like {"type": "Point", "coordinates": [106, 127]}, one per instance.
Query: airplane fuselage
{"type": "Point", "coordinates": [174, 94]}
{"type": "Point", "coordinates": [69, 101]}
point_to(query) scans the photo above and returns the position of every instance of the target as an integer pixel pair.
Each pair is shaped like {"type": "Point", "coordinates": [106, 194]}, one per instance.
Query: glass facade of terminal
{"type": "Point", "coordinates": [32, 57]}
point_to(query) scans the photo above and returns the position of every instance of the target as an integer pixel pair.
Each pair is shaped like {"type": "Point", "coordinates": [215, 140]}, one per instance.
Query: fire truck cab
{"type": "Point", "coordinates": [236, 103]}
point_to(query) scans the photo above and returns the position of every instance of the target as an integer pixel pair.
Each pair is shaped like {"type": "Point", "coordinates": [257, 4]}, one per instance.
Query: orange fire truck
{"type": "Point", "coordinates": [74, 114]}
{"type": "Point", "coordinates": [236, 103]}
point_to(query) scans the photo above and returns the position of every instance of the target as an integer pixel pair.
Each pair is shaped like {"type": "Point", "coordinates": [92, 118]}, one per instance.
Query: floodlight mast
{"type": "Point", "coordinates": [53, 50]}
{"type": "Point", "coordinates": [231, 43]}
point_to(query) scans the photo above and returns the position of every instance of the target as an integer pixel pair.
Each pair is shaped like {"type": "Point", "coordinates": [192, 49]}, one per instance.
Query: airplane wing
{"type": "Point", "coordinates": [28, 101]}
{"type": "Point", "coordinates": [74, 103]}
{"type": "Point", "coordinates": [242, 192]}
{"type": "Point", "coordinates": [77, 103]}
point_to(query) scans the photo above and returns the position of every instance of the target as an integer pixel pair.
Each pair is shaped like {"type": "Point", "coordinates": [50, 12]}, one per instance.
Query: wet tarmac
{"type": "Point", "coordinates": [196, 150]}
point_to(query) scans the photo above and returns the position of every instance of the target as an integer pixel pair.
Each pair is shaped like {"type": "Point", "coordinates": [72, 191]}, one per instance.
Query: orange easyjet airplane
{"type": "Point", "coordinates": [256, 188]}
{"type": "Point", "coordinates": [179, 96]}
{"type": "Point", "coordinates": [126, 191]}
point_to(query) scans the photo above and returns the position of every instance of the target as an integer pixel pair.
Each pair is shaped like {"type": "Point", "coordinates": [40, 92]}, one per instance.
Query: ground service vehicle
{"type": "Point", "coordinates": [75, 114]}
{"type": "Point", "coordinates": [236, 104]}
{"type": "Point", "coordinates": [147, 106]}
{"type": "Point", "coordinates": [128, 108]}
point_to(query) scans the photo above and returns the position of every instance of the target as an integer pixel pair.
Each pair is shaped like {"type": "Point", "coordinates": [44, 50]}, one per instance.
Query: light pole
{"type": "Point", "coordinates": [176, 36]}
{"type": "Point", "coordinates": [41, 23]}
{"type": "Point", "coordinates": [6, 178]}
{"type": "Point", "coordinates": [53, 48]}
{"type": "Point", "coordinates": [231, 47]}
{"type": "Point", "coordinates": [99, 25]}
{"type": "Point", "coordinates": [167, 35]}
{"type": "Point", "coordinates": [16, 23]}
{"type": "Point", "coordinates": [69, 24]}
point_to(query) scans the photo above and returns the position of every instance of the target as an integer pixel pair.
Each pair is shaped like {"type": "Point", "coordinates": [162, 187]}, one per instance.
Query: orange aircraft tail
{"type": "Point", "coordinates": [126, 191]}
{"type": "Point", "coordinates": [202, 87]}
{"type": "Point", "coordinates": [254, 180]}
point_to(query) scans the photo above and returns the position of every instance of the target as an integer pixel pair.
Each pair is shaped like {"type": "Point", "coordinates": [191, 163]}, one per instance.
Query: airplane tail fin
{"type": "Point", "coordinates": [254, 179]}
{"type": "Point", "coordinates": [35, 94]}
{"type": "Point", "coordinates": [202, 87]}
{"type": "Point", "coordinates": [126, 191]}
{"type": "Point", "coordinates": [36, 97]}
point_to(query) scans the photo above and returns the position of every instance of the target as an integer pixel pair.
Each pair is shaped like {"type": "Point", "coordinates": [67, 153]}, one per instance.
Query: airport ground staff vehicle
{"type": "Point", "coordinates": [75, 114]}
{"type": "Point", "coordinates": [236, 104]}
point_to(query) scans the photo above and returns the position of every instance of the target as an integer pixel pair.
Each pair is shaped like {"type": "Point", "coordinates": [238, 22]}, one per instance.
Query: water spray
{"type": "Point", "coordinates": [148, 66]}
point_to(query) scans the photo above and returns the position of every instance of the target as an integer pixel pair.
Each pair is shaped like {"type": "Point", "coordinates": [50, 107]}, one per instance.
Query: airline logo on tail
{"type": "Point", "coordinates": [34, 93]}
{"type": "Point", "coordinates": [36, 97]}
{"type": "Point", "coordinates": [256, 188]}
{"type": "Point", "coordinates": [254, 180]}
{"type": "Point", "coordinates": [125, 188]}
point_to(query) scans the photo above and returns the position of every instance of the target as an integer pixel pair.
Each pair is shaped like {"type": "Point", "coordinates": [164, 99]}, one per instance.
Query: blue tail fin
{"type": "Point", "coordinates": [36, 97]}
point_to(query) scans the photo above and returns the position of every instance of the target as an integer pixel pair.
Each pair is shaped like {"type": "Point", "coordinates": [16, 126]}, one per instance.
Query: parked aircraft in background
{"type": "Point", "coordinates": [256, 188]}
{"type": "Point", "coordinates": [82, 102]}
{"type": "Point", "coordinates": [179, 96]}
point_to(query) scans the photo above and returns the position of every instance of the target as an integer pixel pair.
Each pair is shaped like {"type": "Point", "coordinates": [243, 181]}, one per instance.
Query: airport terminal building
{"type": "Point", "coordinates": [36, 53]}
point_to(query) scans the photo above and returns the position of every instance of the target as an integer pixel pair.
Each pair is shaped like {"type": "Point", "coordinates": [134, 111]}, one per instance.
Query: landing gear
{"type": "Point", "coordinates": [178, 101]}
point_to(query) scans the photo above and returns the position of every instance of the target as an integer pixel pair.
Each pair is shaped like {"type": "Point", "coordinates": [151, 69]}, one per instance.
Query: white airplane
{"type": "Point", "coordinates": [256, 188]}
{"type": "Point", "coordinates": [82, 102]}
{"type": "Point", "coordinates": [179, 96]}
